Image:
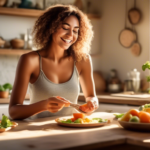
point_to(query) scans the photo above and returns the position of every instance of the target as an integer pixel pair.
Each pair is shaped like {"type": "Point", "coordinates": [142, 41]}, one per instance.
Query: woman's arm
{"type": "Point", "coordinates": [25, 70]}
{"type": "Point", "coordinates": [87, 83]}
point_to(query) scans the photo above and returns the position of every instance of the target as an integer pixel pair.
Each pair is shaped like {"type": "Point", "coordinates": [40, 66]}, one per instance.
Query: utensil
{"type": "Point", "coordinates": [77, 107]}
{"type": "Point", "coordinates": [134, 15]}
{"type": "Point", "coordinates": [127, 36]}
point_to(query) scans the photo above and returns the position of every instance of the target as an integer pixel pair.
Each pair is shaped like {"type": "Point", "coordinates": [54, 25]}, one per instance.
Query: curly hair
{"type": "Point", "coordinates": [48, 23]}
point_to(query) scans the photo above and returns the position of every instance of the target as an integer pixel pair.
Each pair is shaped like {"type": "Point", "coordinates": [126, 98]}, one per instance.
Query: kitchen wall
{"type": "Point", "coordinates": [111, 55]}
{"type": "Point", "coordinates": [112, 22]}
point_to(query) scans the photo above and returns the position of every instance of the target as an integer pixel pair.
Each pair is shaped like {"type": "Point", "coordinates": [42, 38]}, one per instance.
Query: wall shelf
{"type": "Point", "coordinates": [15, 52]}
{"type": "Point", "coordinates": [31, 12]}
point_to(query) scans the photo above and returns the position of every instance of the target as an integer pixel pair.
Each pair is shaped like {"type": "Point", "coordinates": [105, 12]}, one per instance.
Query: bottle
{"type": "Point", "coordinates": [114, 83]}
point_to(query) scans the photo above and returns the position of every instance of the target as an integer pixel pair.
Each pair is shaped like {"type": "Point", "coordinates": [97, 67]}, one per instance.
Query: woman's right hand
{"type": "Point", "coordinates": [55, 104]}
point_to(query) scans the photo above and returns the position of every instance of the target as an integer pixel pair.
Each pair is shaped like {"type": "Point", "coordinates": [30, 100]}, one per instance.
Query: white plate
{"type": "Point", "coordinates": [78, 125]}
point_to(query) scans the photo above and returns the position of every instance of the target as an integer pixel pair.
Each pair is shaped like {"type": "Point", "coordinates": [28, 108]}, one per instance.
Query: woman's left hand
{"type": "Point", "coordinates": [92, 105]}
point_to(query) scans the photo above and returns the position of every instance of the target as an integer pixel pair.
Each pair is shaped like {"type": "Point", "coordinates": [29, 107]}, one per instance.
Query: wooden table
{"type": "Point", "coordinates": [45, 134]}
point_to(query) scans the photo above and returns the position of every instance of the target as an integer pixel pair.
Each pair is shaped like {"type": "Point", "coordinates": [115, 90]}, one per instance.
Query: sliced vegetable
{"type": "Point", "coordinates": [134, 119]}
{"type": "Point", "coordinates": [5, 122]}
{"type": "Point", "coordinates": [79, 120]}
{"type": "Point", "coordinates": [134, 112]}
{"type": "Point", "coordinates": [67, 121]}
{"type": "Point", "coordinates": [118, 115]}
{"type": "Point", "coordinates": [84, 107]}
{"type": "Point", "coordinates": [100, 119]}
{"type": "Point", "coordinates": [78, 115]}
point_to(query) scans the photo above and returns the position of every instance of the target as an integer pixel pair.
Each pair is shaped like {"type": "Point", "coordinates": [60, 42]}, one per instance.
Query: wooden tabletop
{"type": "Point", "coordinates": [45, 134]}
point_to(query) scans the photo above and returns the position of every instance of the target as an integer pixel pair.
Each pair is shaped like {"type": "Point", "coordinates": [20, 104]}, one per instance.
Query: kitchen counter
{"type": "Point", "coordinates": [108, 98]}
{"type": "Point", "coordinates": [45, 134]}
{"type": "Point", "coordinates": [103, 98]}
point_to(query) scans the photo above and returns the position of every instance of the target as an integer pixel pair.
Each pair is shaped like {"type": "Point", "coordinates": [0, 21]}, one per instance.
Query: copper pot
{"type": "Point", "coordinates": [4, 94]}
{"type": "Point", "coordinates": [17, 43]}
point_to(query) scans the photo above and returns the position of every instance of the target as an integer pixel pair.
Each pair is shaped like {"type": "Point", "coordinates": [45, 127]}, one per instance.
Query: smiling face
{"type": "Point", "coordinates": [67, 32]}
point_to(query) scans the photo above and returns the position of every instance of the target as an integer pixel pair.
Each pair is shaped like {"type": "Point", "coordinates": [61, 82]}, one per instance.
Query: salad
{"type": "Point", "coordinates": [5, 122]}
{"type": "Point", "coordinates": [79, 118]}
{"type": "Point", "coordinates": [141, 115]}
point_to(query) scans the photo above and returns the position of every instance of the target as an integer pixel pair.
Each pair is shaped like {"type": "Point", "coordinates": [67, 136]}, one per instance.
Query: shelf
{"type": "Point", "coordinates": [16, 52]}
{"type": "Point", "coordinates": [20, 12]}
{"type": "Point", "coordinates": [31, 12]}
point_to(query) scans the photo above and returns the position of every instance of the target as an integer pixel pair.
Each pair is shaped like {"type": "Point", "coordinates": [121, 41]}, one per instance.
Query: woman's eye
{"type": "Point", "coordinates": [75, 31]}
{"type": "Point", "coordinates": [64, 28]}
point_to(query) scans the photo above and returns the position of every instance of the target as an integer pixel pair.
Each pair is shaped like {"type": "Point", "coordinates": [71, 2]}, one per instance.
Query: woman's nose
{"type": "Point", "coordinates": [70, 33]}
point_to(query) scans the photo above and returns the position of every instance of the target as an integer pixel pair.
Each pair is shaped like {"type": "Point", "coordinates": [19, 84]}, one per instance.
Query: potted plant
{"type": "Point", "coordinates": [144, 67]}
{"type": "Point", "coordinates": [5, 89]}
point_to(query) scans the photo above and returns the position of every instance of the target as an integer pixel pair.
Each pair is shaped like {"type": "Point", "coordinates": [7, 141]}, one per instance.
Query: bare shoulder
{"type": "Point", "coordinates": [29, 58]}
{"type": "Point", "coordinates": [84, 64]}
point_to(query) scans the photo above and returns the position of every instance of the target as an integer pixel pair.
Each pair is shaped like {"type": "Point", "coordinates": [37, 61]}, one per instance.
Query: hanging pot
{"type": "Point", "coordinates": [134, 15]}
{"type": "Point", "coordinates": [127, 37]}
{"type": "Point", "coordinates": [135, 48]}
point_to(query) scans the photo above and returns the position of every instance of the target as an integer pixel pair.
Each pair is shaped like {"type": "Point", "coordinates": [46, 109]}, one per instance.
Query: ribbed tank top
{"type": "Point", "coordinates": [43, 89]}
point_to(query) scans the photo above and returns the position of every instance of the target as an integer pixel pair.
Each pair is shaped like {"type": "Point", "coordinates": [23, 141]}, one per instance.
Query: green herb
{"type": "Point", "coordinates": [5, 87]}
{"type": "Point", "coordinates": [100, 119]}
{"type": "Point", "coordinates": [144, 67]}
{"type": "Point", "coordinates": [118, 115]}
{"type": "Point", "coordinates": [5, 122]}
{"type": "Point", "coordinates": [67, 121]}
{"type": "Point", "coordinates": [79, 120]}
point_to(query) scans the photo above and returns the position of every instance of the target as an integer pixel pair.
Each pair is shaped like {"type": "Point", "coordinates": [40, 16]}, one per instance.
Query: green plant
{"type": "Point", "coordinates": [5, 87]}
{"type": "Point", "coordinates": [144, 67]}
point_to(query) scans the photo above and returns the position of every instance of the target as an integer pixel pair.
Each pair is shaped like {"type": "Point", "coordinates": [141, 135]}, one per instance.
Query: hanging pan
{"type": "Point", "coordinates": [136, 48]}
{"type": "Point", "coordinates": [134, 15]}
{"type": "Point", "coordinates": [127, 36]}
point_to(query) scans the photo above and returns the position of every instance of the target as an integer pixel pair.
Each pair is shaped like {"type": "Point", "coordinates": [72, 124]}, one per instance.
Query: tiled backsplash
{"type": "Point", "coordinates": [8, 66]}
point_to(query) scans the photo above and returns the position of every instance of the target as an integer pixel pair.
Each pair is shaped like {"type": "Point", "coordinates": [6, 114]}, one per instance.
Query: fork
{"type": "Point", "coordinates": [77, 107]}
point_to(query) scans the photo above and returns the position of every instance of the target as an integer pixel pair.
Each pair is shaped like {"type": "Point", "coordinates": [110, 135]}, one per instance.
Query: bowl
{"type": "Point", "coordinates": [135, 126]}
{"type": "Point", "coordinates": [17, 43]}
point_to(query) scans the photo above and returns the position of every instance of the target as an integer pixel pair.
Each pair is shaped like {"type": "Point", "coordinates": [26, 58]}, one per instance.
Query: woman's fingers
{"type": "Point", "coordinates": [55, 108]}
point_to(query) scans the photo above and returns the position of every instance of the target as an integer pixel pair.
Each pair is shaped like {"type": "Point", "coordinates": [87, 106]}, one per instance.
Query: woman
{"type": "Point", "coordinates": [63, 35]}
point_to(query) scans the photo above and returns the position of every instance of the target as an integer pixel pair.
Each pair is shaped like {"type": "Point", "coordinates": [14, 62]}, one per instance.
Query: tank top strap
{"type": "Point", "coordinates": [75, 68]}
{"type": "Point", "coordinates": [40, 59]}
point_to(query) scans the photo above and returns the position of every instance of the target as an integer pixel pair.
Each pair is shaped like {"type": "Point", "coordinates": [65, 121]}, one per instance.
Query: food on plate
{"type": "Point", "coordinates": [144, 117]}
{"type": "Point", "coordinates": [145, 107]}
{"type": "Point", "coordinates": [81, 119]}
{"type": "Point", "coordinates": [5, 122]}
{"type": "Point", "coordinates": [126, 116]}
{"type": "Point", "coordinates": [83, 107]}
{"type": "Point", "coordinates": [134, 119]}
{"type": "Point", "coordinates": [139, 116]}
{"type": "Point", "coordinates": [118, 115]}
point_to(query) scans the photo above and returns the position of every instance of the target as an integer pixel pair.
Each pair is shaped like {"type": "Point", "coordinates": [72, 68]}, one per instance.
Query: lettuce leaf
{"type": "Point", "coordinates": [5, 122]}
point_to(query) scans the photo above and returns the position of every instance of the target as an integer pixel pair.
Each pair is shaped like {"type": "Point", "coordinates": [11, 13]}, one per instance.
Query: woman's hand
{"type": "Point", "coordinates": [55, 104]}
{"type": "Point", "coordinates": [91, 105]}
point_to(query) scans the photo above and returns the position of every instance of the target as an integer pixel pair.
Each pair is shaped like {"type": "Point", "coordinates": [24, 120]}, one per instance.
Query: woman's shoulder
{"type": "Point", "coordinates": [85, 61]}
{"type": "Point", "coordinates": [29, 58]}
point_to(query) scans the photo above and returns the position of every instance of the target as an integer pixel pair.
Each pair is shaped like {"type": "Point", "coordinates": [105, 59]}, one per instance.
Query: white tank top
{"type": "Point", "coordinates": [43, 89]}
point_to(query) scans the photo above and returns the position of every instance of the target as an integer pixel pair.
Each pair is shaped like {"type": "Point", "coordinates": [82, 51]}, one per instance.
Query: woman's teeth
{"type": "Point", "coordinates": [67, 41]}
